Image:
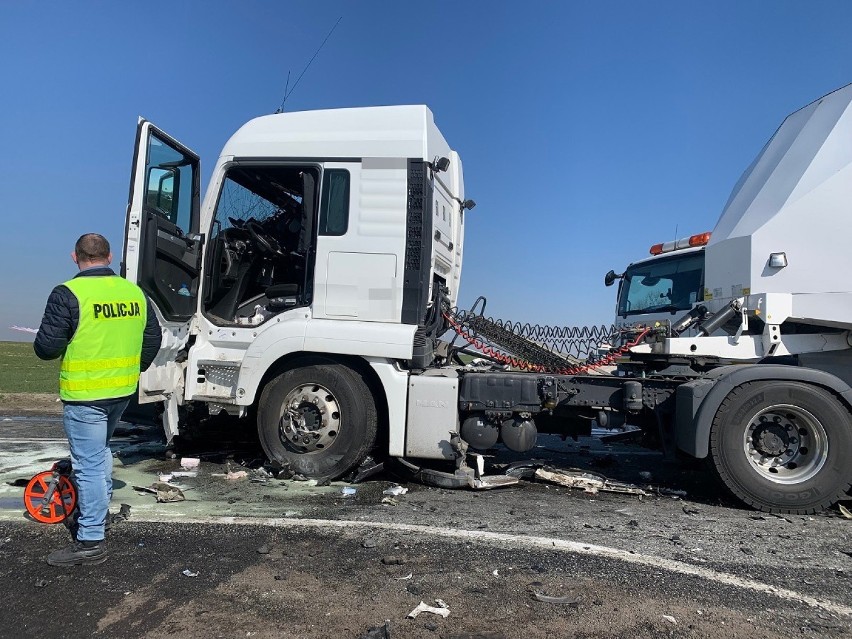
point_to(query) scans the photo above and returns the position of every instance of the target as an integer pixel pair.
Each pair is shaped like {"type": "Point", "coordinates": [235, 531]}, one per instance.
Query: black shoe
{"type": "Point", "coordinates": [79, 553]}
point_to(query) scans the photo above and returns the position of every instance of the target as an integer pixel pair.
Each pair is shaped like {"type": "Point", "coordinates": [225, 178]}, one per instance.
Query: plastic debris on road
{"type": "Point", "coordinates": [232, 474]}
{"type": "Point", "coordinates": [568, 601]}
{"type": "Point", "coordinates": [395, 490]}
{"type": "Point", "coordinates": [442, 609]}
{"type": "Point", "coordinates": [189, 462]}
{"type": "Point", "coordinates": [165, 492]}
{"type": "Point", "coordinates": [189, 573]}
{"type": "Point", "coordinates": [670, 619]}
{"type": "Point", "coordinates": [589, 482]}
{"type": "Point", "coordinates": [348, 491]}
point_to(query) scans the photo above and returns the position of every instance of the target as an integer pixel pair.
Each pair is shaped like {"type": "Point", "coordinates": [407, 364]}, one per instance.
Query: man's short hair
{"type": "Point", "coordinates": [92, 247]}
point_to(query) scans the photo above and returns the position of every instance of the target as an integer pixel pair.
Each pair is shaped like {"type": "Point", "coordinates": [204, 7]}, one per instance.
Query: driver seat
{"type": "Point", "coordinates": [281, 297]}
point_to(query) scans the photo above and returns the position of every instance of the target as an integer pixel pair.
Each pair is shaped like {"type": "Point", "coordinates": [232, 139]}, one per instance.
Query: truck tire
{"type": "Point", "coordinates": [783, 446]}
{"type": "Point", "coordinates": [319, 419]}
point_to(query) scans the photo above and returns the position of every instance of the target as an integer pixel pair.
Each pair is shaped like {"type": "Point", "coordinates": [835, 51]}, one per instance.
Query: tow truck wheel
{"type": "Point", "coordinates": [783, 446]}
{"type": "Point", "coordinates": [321, 420]}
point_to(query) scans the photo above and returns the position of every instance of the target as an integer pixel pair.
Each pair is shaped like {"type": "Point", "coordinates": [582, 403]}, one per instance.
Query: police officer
{"type": "Point", "coordinates": [105, 330]}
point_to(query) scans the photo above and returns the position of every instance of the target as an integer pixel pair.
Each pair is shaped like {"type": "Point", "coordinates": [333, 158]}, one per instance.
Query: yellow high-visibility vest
{"type": "Point", "coordinates": [102, 358]}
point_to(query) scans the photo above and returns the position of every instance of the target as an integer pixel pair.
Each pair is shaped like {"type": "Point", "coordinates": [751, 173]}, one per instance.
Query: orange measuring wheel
{"type": "Point", "coordinates": [50, 497]}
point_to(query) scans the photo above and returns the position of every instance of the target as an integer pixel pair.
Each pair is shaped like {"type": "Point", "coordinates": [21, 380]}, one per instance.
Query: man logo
{"type": "Point", "coordinates": [431, 403]}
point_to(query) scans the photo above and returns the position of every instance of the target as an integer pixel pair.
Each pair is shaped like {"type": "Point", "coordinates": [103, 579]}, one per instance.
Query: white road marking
{"type": "Point", "coordinates": [524, 541]}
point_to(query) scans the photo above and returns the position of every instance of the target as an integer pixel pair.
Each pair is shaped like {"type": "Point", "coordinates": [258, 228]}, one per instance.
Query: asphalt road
{"type": "Point", "coordinates": [626, 565]}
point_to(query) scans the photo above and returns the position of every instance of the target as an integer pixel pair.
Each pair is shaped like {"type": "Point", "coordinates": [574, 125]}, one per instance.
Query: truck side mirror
{"type": "Point", "coordinates": [610, 277]}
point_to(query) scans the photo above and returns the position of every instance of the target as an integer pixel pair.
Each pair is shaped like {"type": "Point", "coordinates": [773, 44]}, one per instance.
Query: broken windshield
{"type": "Point", "coordinates": [668, 284]}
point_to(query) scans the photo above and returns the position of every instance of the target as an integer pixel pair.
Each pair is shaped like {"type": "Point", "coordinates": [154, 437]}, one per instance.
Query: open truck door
{"type": "Point", "coordinates": [162, 253]}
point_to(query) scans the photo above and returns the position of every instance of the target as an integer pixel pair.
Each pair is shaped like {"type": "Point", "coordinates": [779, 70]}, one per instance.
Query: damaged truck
{"type": "Point", "coordinates": [313, 287]}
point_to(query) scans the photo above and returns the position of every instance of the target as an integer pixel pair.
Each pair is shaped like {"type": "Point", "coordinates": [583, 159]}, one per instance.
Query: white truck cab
{"type": "Point", "coordinates": [327, 236]}
{"type": "Point", "coordinates": [662, 287]}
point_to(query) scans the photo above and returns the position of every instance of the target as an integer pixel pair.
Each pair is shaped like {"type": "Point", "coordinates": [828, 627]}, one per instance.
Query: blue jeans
{"type": "Point", "coordinates": [89, 429]}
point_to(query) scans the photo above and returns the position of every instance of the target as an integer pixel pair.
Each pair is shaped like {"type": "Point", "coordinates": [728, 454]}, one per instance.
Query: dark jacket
{"type": "Point", "coordinates": [62, 316]}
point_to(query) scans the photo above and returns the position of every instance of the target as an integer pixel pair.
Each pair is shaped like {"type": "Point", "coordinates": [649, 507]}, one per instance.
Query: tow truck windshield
{"type": "Point", "coordinates": [665, 284]}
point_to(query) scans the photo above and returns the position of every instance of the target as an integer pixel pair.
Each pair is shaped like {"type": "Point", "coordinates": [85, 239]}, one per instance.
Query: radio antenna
{"type": "Point", "coordinates": [287, 93]}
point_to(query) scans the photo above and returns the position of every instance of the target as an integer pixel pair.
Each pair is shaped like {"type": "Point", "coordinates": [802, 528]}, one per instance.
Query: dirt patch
{"type": "Point", "coordinates": [30, 404]}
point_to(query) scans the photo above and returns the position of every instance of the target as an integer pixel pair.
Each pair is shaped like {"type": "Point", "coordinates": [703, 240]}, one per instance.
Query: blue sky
{"type": "Point", "coordinates": [588, 130]}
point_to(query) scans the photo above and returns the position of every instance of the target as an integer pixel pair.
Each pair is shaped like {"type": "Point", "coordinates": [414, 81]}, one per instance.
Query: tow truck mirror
{"type": "Point", "coordinates": [610, 277]}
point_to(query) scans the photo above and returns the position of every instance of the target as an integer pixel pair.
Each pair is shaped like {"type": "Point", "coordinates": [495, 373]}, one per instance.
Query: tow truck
{"type": "Point", "coordinates": [662, 287]}
{"type": "Point", "coordinates": [311, 288]}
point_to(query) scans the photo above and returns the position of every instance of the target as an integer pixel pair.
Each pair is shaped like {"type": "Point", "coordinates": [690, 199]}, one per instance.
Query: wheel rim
{"type": "Point", "coordinates": [310, 419]}
{"type": "Point", "coordinates": [785, 444]}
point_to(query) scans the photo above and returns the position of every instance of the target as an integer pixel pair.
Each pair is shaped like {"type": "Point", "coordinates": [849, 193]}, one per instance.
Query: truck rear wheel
{"type": "Point", "coordinates": [319, 419]}
{"type": "Point", "coordinates": [783, 446]}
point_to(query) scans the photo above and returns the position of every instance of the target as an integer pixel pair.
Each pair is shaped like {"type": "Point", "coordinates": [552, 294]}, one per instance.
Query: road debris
{"type": "Point", "coordinates": [165, 492]}
{"type": "Point", "coordinates": [368, 468]}
{"type": "Point", "coordinates": [190, 462]}
{"type": "Point", "coordinates": [390, 501]}
{"type": "Point", "coordinates": [406, 578]}
{"type": "Point", "coordinates": [379, 632]}
{"type": "Point", "coordinates": [232, 474]}
{"type": "Point", "coordinates": [189, 573]}
{"type": "Point", "coordinates": [566, 600]}
{"type": "Point", "coordinates": [263, 550]}
{"type": "Point", "coordinates": [523, 469]}
{"type": "Point", "coordinates": [123, 514]}
{"type": "Point", "coordinates": [260, 475]}
{"type": "Point", "coordinates": [589, 482]}
{"type": "Point", "coordinates": [390, 560]}
{"type": "Point", "coordinates": [670, 492]}
{"type": "Point", "coordinates": [442, 609]}
{"type": "Point", "coordinates": [670, 619]}
{"type": "Point", "coordinates": [844, 511]}
{"type": "Point", "coordinates": [41, 583]}
{"type": "Point", "coordinates": [368, 543]}
{"type": "Point", "coordinates": [395, 490]}
{"type": "Point", "coordinates": [348, 491]}
{"type": "Point", "coordinates": [486, 482]}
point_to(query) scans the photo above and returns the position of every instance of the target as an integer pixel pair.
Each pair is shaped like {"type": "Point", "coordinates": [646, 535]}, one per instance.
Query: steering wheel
{"type": "Point", "coordinates": [265, 242]}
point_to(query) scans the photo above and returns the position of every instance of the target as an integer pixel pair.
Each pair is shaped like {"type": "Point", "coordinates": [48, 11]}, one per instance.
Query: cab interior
{"type": "Point", "coordinates": [259, 258]}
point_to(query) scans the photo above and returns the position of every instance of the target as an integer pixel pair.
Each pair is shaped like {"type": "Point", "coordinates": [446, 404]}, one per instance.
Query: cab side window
{"type": "Point", "coordinates": [169, 183]}
{"type": "Point", "coordinates": [334, 212]}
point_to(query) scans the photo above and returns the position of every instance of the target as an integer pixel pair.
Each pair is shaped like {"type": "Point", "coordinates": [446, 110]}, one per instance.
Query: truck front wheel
{"type": "Point", "coordinates": [319, 419]}
{"type": "Point", "coordinates": [783, 446]}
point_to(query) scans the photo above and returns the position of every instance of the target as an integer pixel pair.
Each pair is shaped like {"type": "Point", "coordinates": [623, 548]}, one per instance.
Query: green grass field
{"type": "Point", "coordinates": [22, 372]}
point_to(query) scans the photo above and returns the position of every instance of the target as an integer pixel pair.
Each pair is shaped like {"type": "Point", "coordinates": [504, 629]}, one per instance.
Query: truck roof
{"type": "Point", "coordinates": [375, 132]}
{"type": "Point", "coordinates": [679, 253]}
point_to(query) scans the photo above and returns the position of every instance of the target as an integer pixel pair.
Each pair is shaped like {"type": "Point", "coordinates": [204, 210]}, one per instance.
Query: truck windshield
{"type": "Point", "coordinates": [672, 283]}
